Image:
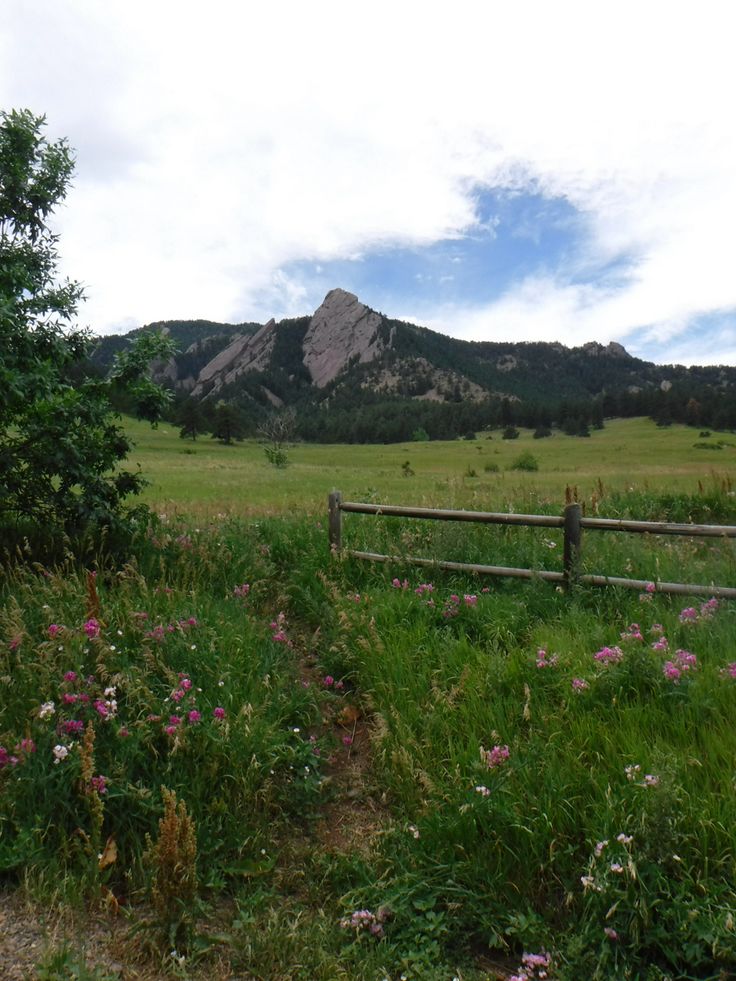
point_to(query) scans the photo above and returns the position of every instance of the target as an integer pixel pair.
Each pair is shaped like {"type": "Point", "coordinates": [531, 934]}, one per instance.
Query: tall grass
{"type": "Point", "coordinates": [528, 794]}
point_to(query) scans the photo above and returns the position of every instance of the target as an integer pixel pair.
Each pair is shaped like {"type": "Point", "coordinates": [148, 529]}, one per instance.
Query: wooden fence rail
{"type": "Point", "coordinates": [572, 523]}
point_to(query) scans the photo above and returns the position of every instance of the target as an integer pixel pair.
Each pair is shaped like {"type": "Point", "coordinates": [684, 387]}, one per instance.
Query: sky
{"type": "Point", "coordinates": [521, 171]}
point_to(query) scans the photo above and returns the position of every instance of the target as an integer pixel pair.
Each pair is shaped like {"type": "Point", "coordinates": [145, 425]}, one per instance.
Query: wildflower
{"type": "Point", "coordinates": [218, 712]}
{"type": "Point", "coordinates": [623, 839]}
{"type": "Point", "coordinates": [632, 632]}
{"type": "Point", "coordinates": [194, 716]}
{"type": "Point", "coordinates": [656, 628]}
{"type": "Point", "coordinates": [397, 584]}
{"type": "Point", "coordinates": [111, 692]}
{"type": "Point", "coordinates": [730, 670]}
{"type": "Point", "coordinates": [414, 830]}
{"type": "Point", "coordinates": [599, 847]}
{"type": "Point", "coordinates": [60, 753]}
{"type": "Point", "coordinates": [177, 695]}
{"type": "Point", "coordinates": [48, 708]}
{"type": "Point", "coordinates": [69, 698]}
{"type": "Point", "coordinates": [661, 644]}
{"type": "Point", "coordinates": [610, 933]}
{"type": "Point", "coordinates": [92, 628]}
{"type": "Point", "coordinates": [483, 791]}
{"type": "Point", "coordinates": [70, 676]}
{"type": "Point", "coordinates": [650, 587]}
{"type": "Point", "coordinates": [347, 740]}
{"type": "Point", "coordinates": [544, 660]}
{"type": "Point", "coordinates": [588, 882]}
{"type": "Point", "coordinates": [99, 784]}
{"type": "Point", "coordinates": [671, 672]}
{"type": "Point", "coordinates": [470, 599]}
{"type": "Point", "coordinates": [73, 727]}
{"type": "Point", "coordinates": [650, 780]}
{"type": "Point", "coordinates": [328, 681]}
{"type": "Point", "coordinates": [6, 759]}
{"type": "Point", "coordinates": [494, 757]}
{"type": "Point", "coordinates": [424, 587]}
{"type": "Point", "coordinates": [579, 684]}
{"type": "Point", "coordinates": [632, 771]}
{"type": "Point", "coordinates": [708, 608]}
{"type": "Point", "coordinates": [54, 629]}
{"type": "Point", "coordinates": [617, 867]}
{"type": "Point", "coordinates": [26, 746]}
{"type": "Point", "coordinates": [609, 655]}
{"type": "Point", "coordinates": [688, 615]}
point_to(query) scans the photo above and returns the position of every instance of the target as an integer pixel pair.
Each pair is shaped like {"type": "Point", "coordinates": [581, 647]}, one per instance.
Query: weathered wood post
{"type": "Point", "coordinates": [571, 550]}
{"type": "Point", "coordinates": [335, 520]}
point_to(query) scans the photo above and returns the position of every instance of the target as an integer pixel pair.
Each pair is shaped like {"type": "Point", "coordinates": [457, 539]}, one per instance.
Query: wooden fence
{"type": "Point", "coordinates": [572, 522]}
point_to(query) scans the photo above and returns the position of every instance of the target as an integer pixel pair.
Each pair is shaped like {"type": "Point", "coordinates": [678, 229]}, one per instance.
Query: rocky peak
{"type": "Point", "coordinates": [341, 328]}
{"type": "Point", "coordinates": [243, 354]}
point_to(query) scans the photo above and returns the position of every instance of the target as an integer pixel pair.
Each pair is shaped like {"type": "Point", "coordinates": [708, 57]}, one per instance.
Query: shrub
{"type": "Point", "coordinates": [525, 461]}
{"type": "Point", "coordinates": [510, 432]}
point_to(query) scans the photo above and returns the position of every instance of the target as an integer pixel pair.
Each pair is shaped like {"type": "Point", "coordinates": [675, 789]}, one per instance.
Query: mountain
{"type": "Point", "coordinates": [349, 359]}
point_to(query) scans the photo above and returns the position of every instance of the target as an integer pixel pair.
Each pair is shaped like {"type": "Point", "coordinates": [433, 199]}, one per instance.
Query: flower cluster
{"type": "Point", "coordinates": [545, 660]}
{"type": "Point", "coordinates": [495, 757]}
{"type": "Point", "coordinates": [683, 662]}
{"type": "Point", "coordinates": [533, 966]}
{"type": "Point", "coordinates": [22, 749]}
{"type": "Point", "coordinates": [159, 632]}
{"type": "Point", "coordinates": [364, 921]}
{"type": "Point", "coordinates": [633, 772]}
{"type": "Point", "coordinates": [278, 630]}
{"type": "Point", "coordinates": [241, 591]}
{"type": "Point", "coordinates": [609, 655]}
{"type": "Point", "coordinates": [632, 632]}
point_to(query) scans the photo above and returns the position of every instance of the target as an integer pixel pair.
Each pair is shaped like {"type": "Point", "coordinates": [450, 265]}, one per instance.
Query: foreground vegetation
{"type": "Point", "coordinates": [301, 767]}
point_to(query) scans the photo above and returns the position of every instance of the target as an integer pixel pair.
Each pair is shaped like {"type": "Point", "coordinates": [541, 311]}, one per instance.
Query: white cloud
{"type": "Point", "coordinates": [217, 144]}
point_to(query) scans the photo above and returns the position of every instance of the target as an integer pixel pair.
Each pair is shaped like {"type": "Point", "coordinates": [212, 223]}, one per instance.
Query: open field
{"type": "Point", "coordinates": [388, 774]}
{"type": "Point", "coordinates": [206, 477]}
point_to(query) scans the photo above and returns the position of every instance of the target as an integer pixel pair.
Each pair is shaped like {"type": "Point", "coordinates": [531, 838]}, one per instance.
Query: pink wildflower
{"type": "Point", "coordinates": [708, 608]}
{"type": "Point", "coordinates": [545, 660]}
{"type": "Point", "coordinates": [609, 655]}
{"type": "Point", "coordinates": [632, 632]}
{"type": "Point", "coordinates": [54, 629]}
{"type": "Point", "coordinates": [730, 670]}
{"type": "Point", "coordinates": [470, 599]}
{"type": "Point", "coordinates": [660, 645]}
{"type": "Point", "coordinates": [70, 676]}
{"type": "Point", "coordinates": [671, 671]}
{"type": "Point", "coordinates": [194, 716]}
{"type": "Point", "coordinates": [347, 740]}
{"type": "Point", "coordinates": [219, 712]}
{"type": "Point", "coordinates": [328, 681]}
{"type": "Point", "coordinates": [579, 684]}
{"type": "Point", "coordinates": [69, 698]}
{"type": "Point", "coordinates": [99, 784]}
{"type": "Point", "coordinates": [91, 628]}
{"type": "Point", "coordinates": [241, 591]}
{"type": "Point", "coordinates": [174, 720]}
{"type": "Point", "coordinates": [688, 615]}
{"type": "Point", "coordinates": [610, 933]}
{"type": "Point", "coordinates": [186, 684]}
{"type": "Point", "coordinates": [73, 727]}
{"type": "Point", "coordinates": [494, 757]}
{"type": "Point", "coordinates": [650, 587]}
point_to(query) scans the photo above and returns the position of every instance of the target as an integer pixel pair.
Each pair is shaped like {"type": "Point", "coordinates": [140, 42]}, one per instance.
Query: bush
{"type": "Point", "coordinates": [526, 461]}
{"type": "Point", "coordinates": [542, 432]}
{"type": "Point", "coordinates": [510, 432]}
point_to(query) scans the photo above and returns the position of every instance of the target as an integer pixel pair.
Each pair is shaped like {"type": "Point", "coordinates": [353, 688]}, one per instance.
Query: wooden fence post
{"type": "Point", "coordinates": [335, 520]}
{"type": "Point", "coordinates": [572, 542]}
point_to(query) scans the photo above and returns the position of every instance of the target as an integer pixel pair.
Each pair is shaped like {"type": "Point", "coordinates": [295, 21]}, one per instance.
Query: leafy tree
{"type": "Point", "coordinates": [227, 423]}
{"type": "Point", "coordinates": [190, 419]}
{"type": "Point", "coordinates": [60, 444]}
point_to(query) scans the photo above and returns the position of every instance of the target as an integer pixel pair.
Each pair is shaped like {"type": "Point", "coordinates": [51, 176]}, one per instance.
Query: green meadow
{"type": "Point", "coordinates": [234, 754]}
{"type": "Point", "coordinates": [207, 477]}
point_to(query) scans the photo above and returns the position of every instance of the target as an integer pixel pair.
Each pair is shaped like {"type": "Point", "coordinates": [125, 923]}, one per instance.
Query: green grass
{"type": "Point", "coordinates": [209, 478]}
{"type": "Point", "coordinates": [457, 876]}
